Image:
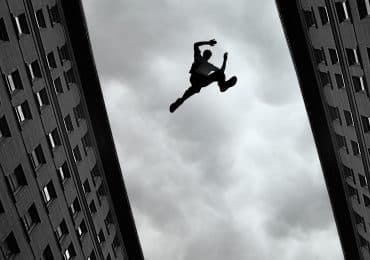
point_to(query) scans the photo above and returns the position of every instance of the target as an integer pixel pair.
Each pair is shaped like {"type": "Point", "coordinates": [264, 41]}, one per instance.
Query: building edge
{"type": "Point", "coordinates": [299, 51]}
{"type": "Point", "coordinates": [90, 85]}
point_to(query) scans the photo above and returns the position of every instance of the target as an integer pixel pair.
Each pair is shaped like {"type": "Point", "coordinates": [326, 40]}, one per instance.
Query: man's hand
{"type": "Point", "coordinates": [212, 42]}
{"type": "Point", "coordinates": [225, 56]}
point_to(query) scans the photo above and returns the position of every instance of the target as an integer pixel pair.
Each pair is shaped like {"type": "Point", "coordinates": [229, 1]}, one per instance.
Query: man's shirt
{"type": "Point", "coordinates": [201, 65]}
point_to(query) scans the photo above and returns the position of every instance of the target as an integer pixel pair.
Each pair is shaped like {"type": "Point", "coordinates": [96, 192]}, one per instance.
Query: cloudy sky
{"type": "Point", "coordinates": [231, 175]}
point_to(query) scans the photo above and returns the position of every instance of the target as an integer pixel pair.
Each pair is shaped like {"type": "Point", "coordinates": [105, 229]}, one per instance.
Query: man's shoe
{"type": "Point", "coordinates": [228, 84]}
{"type": "Point", "coordinates": [175, 105]}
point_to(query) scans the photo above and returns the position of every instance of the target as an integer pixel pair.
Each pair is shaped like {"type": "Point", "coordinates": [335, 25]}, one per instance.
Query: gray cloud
{"type": "Point", "coordinates": [228, 176]}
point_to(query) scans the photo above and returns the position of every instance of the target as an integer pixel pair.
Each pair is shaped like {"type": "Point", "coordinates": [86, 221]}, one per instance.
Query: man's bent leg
{"type": "Point", "coordinates": [188, 93]}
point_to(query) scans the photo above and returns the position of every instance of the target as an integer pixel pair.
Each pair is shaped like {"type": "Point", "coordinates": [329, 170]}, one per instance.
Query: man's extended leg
{"type": "Point", "coordinates": [188, 93]}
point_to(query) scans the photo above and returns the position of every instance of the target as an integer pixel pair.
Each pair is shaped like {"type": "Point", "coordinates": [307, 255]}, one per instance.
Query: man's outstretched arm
{"type": "Point", "coordinates": [198, 44]}
{"type": "Point", "coordinates": [224, 62]}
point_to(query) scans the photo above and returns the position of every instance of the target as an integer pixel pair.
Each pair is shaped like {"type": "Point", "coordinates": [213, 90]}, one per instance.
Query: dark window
{"type": "Point", "coordinates": [310, 18]}
{"type": "Point", "coordinates": [86, 186]}
{"type": "Point", "coordinates": [334, 113]}
{"type": "Point", "coordinates": [17, 179]}
{"type": "Point", "coordinates": [3, 32]}
{"type": "Point", "coordinates": [42, 98]}
{"type": "Point", "coordinates": [95, 172]}
{"type": "Point", "coordinates": [342, 11]}
{"type": "Point", "coordinates": [341, 141]}
{"type": "Point", "coordinates": [348, 117]}
{"type": "Point", "coordinates": [325, 78]}
{"type": "Point", "coordinates": [61, 230]}
{"type": "Point", "coordinates": [339, 80]}
{"type": "Point", "coordinates": [53, 139]}
{"type": "Point", "coordinates": [70, 77]}
{"type": "Point", "coordinates": [359, 220]}
{"type": "Point", "coordinates": [108, 221]}
{"type": "Point", "coordinates": [4, 128]}
{"type": "Point", "coordinates": [23, 112]}
{"type": "Point", "coordinates": [47, 254]}
{"type": "Point", "coordinates": [333, 56]}
{"type": "Point", "coordinates": [75, 207]}
{"type": "Point", "coordinates": [363, 180]}
{"type": "Point", "coordinates": [54, 14]}
{"type": "Point", "coordinates": [40, 19]}
{"type": "Point", "coordinates": [363, 242]}
{"type": "Point", "coordinates": [49, 192]}
{"type": "Point", "coordinates": [367, 201]}
{"type": "Point", "coordinates": [355, 148]}
{"type": "Point", "coordinates": [368, 53]}
{"type": "Point", "coordinates": [63, 53]}
{"type": "Point", "coordinates": [101, 237]}
{"type": "Point", "coordinates": [116, 243]}
{"type": "Point", "coordinates": [68, 123]}
{"type": "Point", "coordinates": [92, 207]}
{"type": "Point", "coordinates": [10, 247]}
{"type": "Point", "coordinates": [77, 154]}
{"type": "Point", "coordinates": [31, 218]}
{"type": "Point", "coordinates": [82, 229]}
{"type": "Point", "coordinates": [319, 55]}
{"type": "Point", "coordinates": [63, 172]}
{"type": "Point", "coordinates": [353, 56]}
{"type": "Point", "coordinates": [37, 157]}
{"type": "Point", "coordinates": [108, 257]}
{"type": "Point", "coordinates": [353, 192]}
{"type": "Point", "coordinates": [92, 256]}
{"type": "Point", "coordinates": [348, 173]}
{"type": "Point", "coordinates": [33, 70]}
{"type": "Point", "coordinates": [20, 23]}
{"type": "Point", "coordinates": [78, 112]}
{"type": "Point", "coordinates": [14, 81]}
{"type": "Point", "coordinates": [86, 142]}
{"type": "Point", "coordinates": [1, 208]}
{"type": "Point", "coordinates": [366, 123]}
{"type": "Point", "coordinates": [51, 60]}
{"type": "Point", "coordinates": [58, 86]}
{"type": "Point", "coordinates": [69, 252]}
{"type": "Point", "coordinates": [359, 83]}
{"type": "Point", "coordinates": [323, 15]}
{"type": "Point", "coordinates": [363, 8]}
{"type": "Point", "coordinates": [101, 190]}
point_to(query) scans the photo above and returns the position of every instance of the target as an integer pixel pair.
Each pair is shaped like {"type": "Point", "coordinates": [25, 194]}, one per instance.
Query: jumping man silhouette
{"type": "Point", "coordinates": [204, 73]}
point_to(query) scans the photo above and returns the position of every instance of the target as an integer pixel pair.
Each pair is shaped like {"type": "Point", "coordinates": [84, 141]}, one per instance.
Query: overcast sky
{"type": "Point", "coordinates": [231, 175]}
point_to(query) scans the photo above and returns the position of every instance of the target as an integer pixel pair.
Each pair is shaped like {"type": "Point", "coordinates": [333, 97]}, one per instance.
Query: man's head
{"type": "Point", "coordinates": [207, 54]}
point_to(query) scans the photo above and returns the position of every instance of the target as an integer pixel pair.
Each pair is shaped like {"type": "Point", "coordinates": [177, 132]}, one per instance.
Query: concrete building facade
{"type": "Point", "coordinates": [62, 194]}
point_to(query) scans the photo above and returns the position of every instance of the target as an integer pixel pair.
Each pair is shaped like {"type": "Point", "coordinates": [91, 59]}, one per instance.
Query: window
{"type": "Point", "coordinates": [31, 218]}
{"type": "Point", "coordinates": [14, 81]}
{"type": "Point", "coordinates": [95, 172]}
{"type": "Point", "coordinates": [82, 229]}
{"type": "Point", "coordinates": [86, 186]}
{"type": "Point", "coordinates": [1, 208]}
{"type": "Point", "coordinates": [348, 173]}
{"type": "Point", "coordinates": [21, 25]}
{"type": "Point", "coordinates": [75, 207]}
{"type": "Point", "coordinates": [319, 56]}
{"type": "Point", "coordinates": [359, 220]}
{"type": "Point", "coordinates": [339, 80]}
{"type": "Point", "coordinates": [333, 56]}
{"type": "Point", "coordinates": [363, 8]}
{"type": "Point", "coordinates": [37, 157]}
{"type": "Point", "coordinates": [116, 243]}
{"type": "Point", "coordinates": [42, 98]}
{"type": "Point", "coordinates": [77, 154]}
{"type": "Point", "coordinates": [49, 192]}
{"type": "Point", "coordinates": [334, 113]}
{"type": "Point", "coordinates": [366, 123]}
{"type": "Point", "coordinates": [92, 256]}
{"type": "Point", "coordinates": [92, 207]}
{"type": "Point", "coordinates": [348, 117]}
{"type": "Point", "coordinates": [63, 172]}
{"type": "Point", "coordinates": [78, 112]}
{"type": "Point", "coordinates": [101, 237]}
{"type": "Point", "coordinates": [47, 254]}
{"type": "Point", "coordinates": [33, 70]}
{"type": "Point", "coordinates": [17, 180]}
{"type": "Point", "coordinates": [70, 77]}
{"type": "Point", "coordinates": [68, 123]}
{"type": "Point", "coordinates": [359, 83]}
{"type": "Point", "coordinates": [61, 230]}
{"type": "Point", "coordinates": [325, 78]}
{"type": "Point", "coordinates": [58, 86]}
{"type": "Point", "coordinates": [352, 56]}
{"type": "Point", "coordinates": [54, 14]}
{"type": "Point", "coordinates": [366, 200]}
{"type": "Point", "coordinates": [363, 180]}
{"type": "Point", "coordinates": [341, 141]}
{"type": "Point", "coordinates": [9, 246]}
{"type": "Point", "coordinates": [4, 128]}
{"type": "Point", "coordinates": [108, 221]}
{"type": "Point", "coordinates": [69, 252]}
{"type": "Point", "coordinates": [40, 19]}
{"type": "Point", "coordinates": [53, 139]}
{"type": "Point", "coordinates": [23, 112]}
{"type": "Point", "coordinates": [355, 148]}
{"type": "Point", "coordinates": [3, 32]}
{"type": "Point", "coordinates": [323, 15]}
{"type": "Point", "coordinates": [353, 192]}
{"type": "Point", "coordinates": [342, 11]}
{"type": "Point", "coordinates": [310, 18]}
{"type": "Point", "coordinates": [86, 142]}
{"type": "Point", "coordinates": [51, 60]}
{"type": "Point", "coordinates": [63, 53]}
{"type": "Point", "coordinates": [108, 257]}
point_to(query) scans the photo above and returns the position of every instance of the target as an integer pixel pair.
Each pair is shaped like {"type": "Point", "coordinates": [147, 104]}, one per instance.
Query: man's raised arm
{"type": "Point", "coordinates": [198, 44]}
